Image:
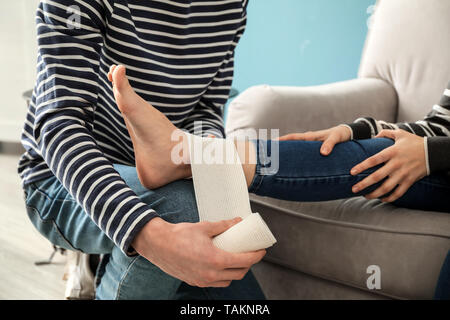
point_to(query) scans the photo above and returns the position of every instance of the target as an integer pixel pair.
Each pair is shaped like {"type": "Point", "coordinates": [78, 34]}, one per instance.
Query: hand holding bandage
{"type": "Point", "coordinates": [221, 194]}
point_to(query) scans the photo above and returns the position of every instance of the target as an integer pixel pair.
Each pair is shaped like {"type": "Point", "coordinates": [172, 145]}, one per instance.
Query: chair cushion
{"type": "Point", "coordinates": [339, 240]}
{"type": "Point", "coordinates": [279, 283]}
{"type": "Point", "coordinates": [408, 46]}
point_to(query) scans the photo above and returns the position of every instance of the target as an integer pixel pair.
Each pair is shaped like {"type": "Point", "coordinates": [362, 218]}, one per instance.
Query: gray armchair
{"type": "Point", "coordinates": [324, 249]}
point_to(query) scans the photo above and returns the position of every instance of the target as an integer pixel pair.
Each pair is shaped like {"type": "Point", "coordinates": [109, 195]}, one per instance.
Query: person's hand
{"type": "Point", "coordinates": [405, 164]}
{"type": "Point", "coordinates": [186, 252]}
{"type": "Point", "coordinates": [330, 137]}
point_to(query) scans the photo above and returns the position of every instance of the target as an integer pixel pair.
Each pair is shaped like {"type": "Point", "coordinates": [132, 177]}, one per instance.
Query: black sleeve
{"type": "Point", "coordinates": [439, 154]}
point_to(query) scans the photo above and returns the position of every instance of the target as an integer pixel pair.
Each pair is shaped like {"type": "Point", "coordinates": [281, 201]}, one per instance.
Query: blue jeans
{"type": "Point", "coordinates": [443, 287]}
{"type": "Point", "coordinates": [60, 219]}
{"type": "Point", "coordinates": [305, 175]}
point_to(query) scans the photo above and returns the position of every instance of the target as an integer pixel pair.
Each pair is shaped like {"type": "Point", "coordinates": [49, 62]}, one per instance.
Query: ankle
{"type": "Point", "coordinates": [184, 170]}
{"type": "Point", "coordinates": [247, 154]}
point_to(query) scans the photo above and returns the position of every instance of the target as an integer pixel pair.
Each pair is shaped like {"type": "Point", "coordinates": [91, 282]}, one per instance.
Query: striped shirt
{"type": "Point", "coordinates": [179, 57]}
{"type": "Point", "coordinates": [435, 128]}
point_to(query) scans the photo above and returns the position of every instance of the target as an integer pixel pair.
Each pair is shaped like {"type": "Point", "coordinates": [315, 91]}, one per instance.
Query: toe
{"type": "Point", "coordinates": [111, 71]}
{"type": "Point", "coordinates": [128, 102]}
{"type": "Point", "coordinates": [119, 78]}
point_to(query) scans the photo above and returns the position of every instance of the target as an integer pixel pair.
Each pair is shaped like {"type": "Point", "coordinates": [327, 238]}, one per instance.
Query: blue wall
{"type": "Point", "coordinates": [301, 42]}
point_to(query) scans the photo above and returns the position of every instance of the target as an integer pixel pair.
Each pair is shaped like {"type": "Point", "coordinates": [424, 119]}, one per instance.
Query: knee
{"type": "Point", "coordinates": [251, 109]}
{"type": "Point", "coordinates": [130, 176]}
{"type": "Point", "coordinates": [175, 202]}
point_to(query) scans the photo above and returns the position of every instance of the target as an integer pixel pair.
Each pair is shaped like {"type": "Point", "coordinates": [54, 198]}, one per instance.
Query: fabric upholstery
{"type": "Point", "coordinates": [280, 282]}
{"type": "Point", "coordinates": [339, 240]}
{"type": "Point", "coordinates": [408, 46]}
{"type": "Point", "coordinates": [295, 109]}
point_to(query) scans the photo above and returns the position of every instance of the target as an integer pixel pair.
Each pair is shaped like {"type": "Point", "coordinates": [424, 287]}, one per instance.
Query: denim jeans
{"type": "Point", "coordinates": [62, 220]}
{"type": "Point", "coordinates": [443, 286]}
{"type": "Point", "coordinates": [305, 175]}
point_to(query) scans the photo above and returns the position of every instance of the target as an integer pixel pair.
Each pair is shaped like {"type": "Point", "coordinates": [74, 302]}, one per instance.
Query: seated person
{"type": "Point", "coordinates": [407, 169]}
{"type": "Point", "coordinates": [406, 164]}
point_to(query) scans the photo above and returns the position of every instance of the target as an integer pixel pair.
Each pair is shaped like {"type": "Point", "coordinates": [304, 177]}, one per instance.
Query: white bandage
{"type": "Point", "coordinates": [221, 194]}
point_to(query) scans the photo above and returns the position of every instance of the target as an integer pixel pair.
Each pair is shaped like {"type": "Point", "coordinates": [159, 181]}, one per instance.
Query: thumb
{"type": "Point", "coordinates": [328, 145]}
{"type": "Point", "coordinates": [216, 228]}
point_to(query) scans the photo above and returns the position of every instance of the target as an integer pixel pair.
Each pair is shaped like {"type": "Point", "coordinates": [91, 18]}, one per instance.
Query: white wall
{"type": "Point", "coordinates": [17, 63]}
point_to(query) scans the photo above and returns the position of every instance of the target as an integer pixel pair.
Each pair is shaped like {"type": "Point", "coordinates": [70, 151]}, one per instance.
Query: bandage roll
{"type": "Point", "coordinates": [221, 194]}
{"type": "Point", "coordinates": [219, 182]}
{"type": "Point", "coordinates": [251, 234]}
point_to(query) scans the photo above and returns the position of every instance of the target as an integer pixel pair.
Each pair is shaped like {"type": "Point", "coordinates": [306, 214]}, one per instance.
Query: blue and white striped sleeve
{"type": "Point", "coordinates": [435, 128]}
{"type": "Point", "coordinates": [207, 117]}
{"type": "Point", "coordinates": [70, 38]}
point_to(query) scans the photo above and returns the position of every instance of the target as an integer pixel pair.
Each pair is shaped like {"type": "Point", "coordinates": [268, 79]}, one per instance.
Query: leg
{"type": "Point", "coordinates": [305, 175]}
{"type": "Point", "coordinates": [133, 278]}
{"type": "Point", "coordinates": [150, 132]}
{"type": "Point", "coordinates": [137, 278]}
{"type": "Point", "coordinates": [61, 220]}
{"type": "Point", "coordinates": [246, 289]}
{"type": "Point", "coordinates": [443, 286]}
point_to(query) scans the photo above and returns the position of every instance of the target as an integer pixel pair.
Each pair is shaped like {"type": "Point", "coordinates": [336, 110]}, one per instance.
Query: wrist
{"type": "Point", "coordinates": [348, 135]}
{"type": "Point", "coordinates": [152, 231]}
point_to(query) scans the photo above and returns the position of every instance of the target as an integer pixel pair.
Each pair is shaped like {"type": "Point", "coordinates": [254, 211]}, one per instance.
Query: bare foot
{"type": "Point", "coordinates": [150, 132]}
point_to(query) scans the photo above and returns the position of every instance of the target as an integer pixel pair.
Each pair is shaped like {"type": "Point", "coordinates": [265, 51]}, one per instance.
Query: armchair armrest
{"type": "Point", "coordinates": [300, 109]}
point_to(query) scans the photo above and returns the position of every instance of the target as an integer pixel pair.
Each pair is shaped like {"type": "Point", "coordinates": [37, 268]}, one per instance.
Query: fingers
{"type": "Point", "coordinates": [307, 136]}
{"type": "Point", "coordinates": [328, 145]}
{"type": "Point", "coordinates": [227, 267]}
{"type": "Point", "coordinates": [391, 134]}
{"type": "Point", "coordinates": [216, 228]}
{"type": "Point", "coordinates": [291, 136]}
{"type": "Point", "coordinates": [373, 161]}
{"type": "Point", "coordinates": [219, 284]}
{"type": "Point", "coordinates": [235, 274]}
{"type": "Point", "coordinates": [227, 260]}
{"type": "Point", "coordinates": [228, 276]}
{"type": "Point", "coordinates": [244, 260]}
{"type": "Point", "coordinates": [385, 188]}
{"type": "Point", "coordinates": [375, 177]}
{"type": "Point", "coordinates": [223, 278]}
{"type": "Point", "coordinates": [399, 192]}
{"type": "Point", "coordinates": [330, 138]}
